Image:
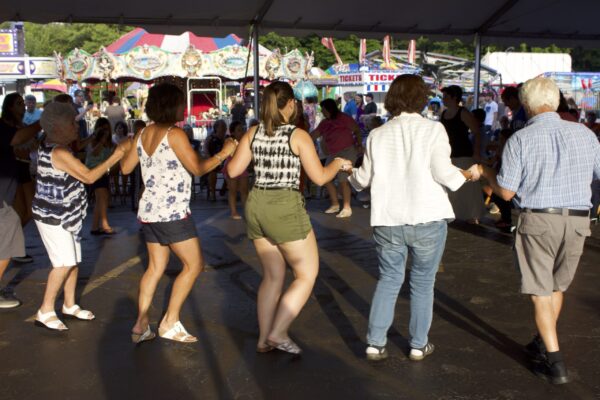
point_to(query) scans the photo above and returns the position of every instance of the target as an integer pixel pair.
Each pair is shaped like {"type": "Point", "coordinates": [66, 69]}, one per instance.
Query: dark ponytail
{"type": "Point", "coordinates": [275, 97]}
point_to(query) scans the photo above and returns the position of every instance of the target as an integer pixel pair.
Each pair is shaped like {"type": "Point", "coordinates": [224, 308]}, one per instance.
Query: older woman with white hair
{"type": "Point", "coordinates": [59, 208]}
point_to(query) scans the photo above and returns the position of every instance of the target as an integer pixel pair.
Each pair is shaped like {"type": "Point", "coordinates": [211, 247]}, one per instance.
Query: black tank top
{"type": "Point", "coordinates": [458, 133]}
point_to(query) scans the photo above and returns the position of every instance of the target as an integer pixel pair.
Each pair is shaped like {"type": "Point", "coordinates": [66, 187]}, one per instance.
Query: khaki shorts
{"type": "Point", "coordinates": [349, 153]}
{"type": "Point", "coordinates": [12, 242]}
{"type": "Point", "coordinates": [278, 215]}
{"type": "Point", "coordinates": [547, 249]}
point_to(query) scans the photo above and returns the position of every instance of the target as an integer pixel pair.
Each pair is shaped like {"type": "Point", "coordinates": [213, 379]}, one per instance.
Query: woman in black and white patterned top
{"type": "Point", "coordinates": [276, 219]}
{"type": "Point", "coordinates": [59, 207]}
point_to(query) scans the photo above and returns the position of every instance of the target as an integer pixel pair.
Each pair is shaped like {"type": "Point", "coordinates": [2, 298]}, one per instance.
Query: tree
{"type": "Point", "coordinates": [43, 40]}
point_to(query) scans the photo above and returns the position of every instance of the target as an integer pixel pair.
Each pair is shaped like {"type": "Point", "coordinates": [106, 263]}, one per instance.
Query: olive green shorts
{"type": "Point", "coordinates": [278, 215]}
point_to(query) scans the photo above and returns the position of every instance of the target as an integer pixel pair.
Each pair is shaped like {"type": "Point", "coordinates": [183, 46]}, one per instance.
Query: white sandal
{"type": "Point", "coordinates": [345, 213]}
{"type": "Point", "coordinates": [332, 210]}
{"type": "Point", "coordinates": [76, 312]}
{"type": "Point", "coordinates": [50, 321]}
{"type": "Point", "coordinates": [177, 333]}
{"type": "Point", "coordinates": [138, 338]}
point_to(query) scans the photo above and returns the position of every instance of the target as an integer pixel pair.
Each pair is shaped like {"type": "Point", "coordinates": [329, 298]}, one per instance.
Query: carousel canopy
{"type": "Point", "coordinates": [564, 22]}
{"type": "Point", "coordinates": [51, 84]}
{"type": "Point", "coordinates": [171, 43]}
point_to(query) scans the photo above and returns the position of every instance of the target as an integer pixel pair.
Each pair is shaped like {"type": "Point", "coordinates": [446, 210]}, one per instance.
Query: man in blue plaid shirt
{"type": "Point", "coordinates": [547, 169]}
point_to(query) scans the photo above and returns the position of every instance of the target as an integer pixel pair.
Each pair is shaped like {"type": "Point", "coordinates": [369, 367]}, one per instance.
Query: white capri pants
{"type": "Point", "coordinates": [62, 248]}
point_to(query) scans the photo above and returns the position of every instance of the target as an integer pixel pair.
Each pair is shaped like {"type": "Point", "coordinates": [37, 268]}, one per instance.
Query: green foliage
{"type": "Point", "coordinates": [43, 40]}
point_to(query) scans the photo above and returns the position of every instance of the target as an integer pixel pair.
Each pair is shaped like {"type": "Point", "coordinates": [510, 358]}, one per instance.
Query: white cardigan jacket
{"type": "Point", "coordinates": [407, 165]}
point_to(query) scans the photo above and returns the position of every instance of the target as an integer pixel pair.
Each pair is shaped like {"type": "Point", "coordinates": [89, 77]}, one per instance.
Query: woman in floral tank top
{"type": "Point", "coordinates": [167, 161]}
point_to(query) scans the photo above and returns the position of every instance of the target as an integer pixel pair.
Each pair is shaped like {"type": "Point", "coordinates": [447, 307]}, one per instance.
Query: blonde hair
{"type": "Point", "coordinates": [539, 92]}
{"type": "Point", "coordinates": [275, 97]}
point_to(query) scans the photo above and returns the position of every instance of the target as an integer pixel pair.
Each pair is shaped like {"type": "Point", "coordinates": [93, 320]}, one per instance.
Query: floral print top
{"type": "Point", "coordinates": [167, 184]}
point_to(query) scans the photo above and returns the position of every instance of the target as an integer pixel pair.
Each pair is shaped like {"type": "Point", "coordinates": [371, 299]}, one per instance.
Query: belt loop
{"type": "Point", "coordinates": [565, 212]}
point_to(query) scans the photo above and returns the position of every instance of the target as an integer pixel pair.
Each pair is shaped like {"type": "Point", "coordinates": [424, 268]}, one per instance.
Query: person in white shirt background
{"type": "Point", "coordinates": [491, 113]}
{"type": "Point", "coordinates": [408, 168]}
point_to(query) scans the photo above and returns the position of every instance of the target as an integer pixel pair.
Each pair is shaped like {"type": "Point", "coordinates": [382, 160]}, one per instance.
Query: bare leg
{"type": "Point", "coordinates": [3, 266]}
{"type": "Point", "coordinates": [70, 286]}
{"type": "Point", "coordinates": [332, 194]}
{"type": "Point", "coordinates": [303, 257]}
{"type": "Point", "coordinates": [271, 286]}
{"type": "Point", "coordinates": [346, 194]}
{"type": "Point", "coordinates": [158, 257]}
{"type": "Point", "coordinates": [243, 189]}
{"type": "Point", "coordinates": [232, 196]}
{"type": "Point", "coordinates": [56, 279]}
{"type": "Point", "coordinates": [96, 216]}
{"type": "Point", "coordinates": [212, 183]}
{"type": "Point", "coordinates": [546, 316]}
{"type": "Point", "coordinates": [115, 178]}
{"type": "Point", "coordinates": [23, 199]}
{"type": "Point", "coordinates": [102, 199]}
{"type": "Point", "coordinates": [190, 255]}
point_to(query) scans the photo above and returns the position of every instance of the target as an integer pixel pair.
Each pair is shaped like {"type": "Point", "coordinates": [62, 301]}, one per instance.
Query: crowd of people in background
{"type": "Point", "coordinates": [50, 165]}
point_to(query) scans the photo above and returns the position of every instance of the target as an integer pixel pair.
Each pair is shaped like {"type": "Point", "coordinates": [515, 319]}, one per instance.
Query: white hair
{"type": "Point", "coordinates": [55, 116]}
{"type": "Point", "coordinates": [539, 92]}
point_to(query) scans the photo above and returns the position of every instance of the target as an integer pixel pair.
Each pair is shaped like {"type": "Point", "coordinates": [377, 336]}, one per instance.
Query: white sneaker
{"type": "Point", "coordinates": [419, 354]}
{"type": "Point", "coordinates": [376, 353]}
{"type": "Point", "coordinates": [7, 302]}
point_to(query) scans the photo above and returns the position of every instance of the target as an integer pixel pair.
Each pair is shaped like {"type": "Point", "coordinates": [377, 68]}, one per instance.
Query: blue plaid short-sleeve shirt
{"type": "Point", "coordinates": [551, 163]}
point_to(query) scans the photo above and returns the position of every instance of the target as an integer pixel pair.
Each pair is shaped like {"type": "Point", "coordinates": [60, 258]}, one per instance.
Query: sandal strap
{"type": "Point", "coordinates": [50, 320]}
{"type": "Point", "coordinates": [177, 333]}
{"type": "Point", "coordinates": [77, 312]}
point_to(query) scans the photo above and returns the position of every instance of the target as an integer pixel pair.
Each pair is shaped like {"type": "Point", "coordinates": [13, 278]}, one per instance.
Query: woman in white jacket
{"type": "Point", "coordinates": [407, 165]}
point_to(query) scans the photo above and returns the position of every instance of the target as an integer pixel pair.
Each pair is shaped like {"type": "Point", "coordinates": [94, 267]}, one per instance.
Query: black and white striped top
{"type": "Point", "coordinates": [60, 199]}
{"type": "Point", "coordinates": [275, 164]}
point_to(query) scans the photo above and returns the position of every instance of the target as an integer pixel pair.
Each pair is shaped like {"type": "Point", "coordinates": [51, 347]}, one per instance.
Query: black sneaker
{"type": "Point", "coordinates": [555, 373]}
{"type": "Point", "coordinates": [376, 353]}
{"type": "Point", "coordinates": [23, 260]}
{"type": "Point", "coordinates": [536, 349]}
{"type": "Point", "coordinates": [419, 354]}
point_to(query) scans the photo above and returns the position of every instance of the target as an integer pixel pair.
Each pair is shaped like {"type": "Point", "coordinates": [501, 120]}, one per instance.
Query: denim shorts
{"type": "Point", "coordinates": [170, 232]}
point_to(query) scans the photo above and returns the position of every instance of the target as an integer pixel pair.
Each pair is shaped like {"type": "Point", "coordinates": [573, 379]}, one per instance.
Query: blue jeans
{"type": "Point", "coordinates": [425, 242]}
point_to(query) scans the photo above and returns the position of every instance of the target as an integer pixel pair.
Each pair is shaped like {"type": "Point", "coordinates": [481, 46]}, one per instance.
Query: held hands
{"type": "Point", "coordinates": [229, 146]}
{"type": "Point", "coordinates": [475, 172]}
{"type": "Point", "coordinates": [345, 165]}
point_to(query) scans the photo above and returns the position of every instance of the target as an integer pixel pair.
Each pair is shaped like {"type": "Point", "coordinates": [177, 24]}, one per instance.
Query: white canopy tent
{"type": "Point", "coordinates": [563, 22]}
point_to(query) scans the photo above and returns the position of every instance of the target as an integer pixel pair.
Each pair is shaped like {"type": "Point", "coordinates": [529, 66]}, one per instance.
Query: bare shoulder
{"type": "Point", "coordinates": [176, 135]}
{"type": "Point", "coordinates": [61, 151]}
{"type": "Point", "coordinates": [300, 134]}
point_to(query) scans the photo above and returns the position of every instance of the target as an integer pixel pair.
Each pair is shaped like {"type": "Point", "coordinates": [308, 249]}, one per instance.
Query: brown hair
{"type": "Point", "coordinates": [408, 93]}
{"type": "Point", "coordinates": [275, 97]}
{"type": "Point", "coordinates": [163, 103]}
{"type": "Point", "coordinates": [63, 98]}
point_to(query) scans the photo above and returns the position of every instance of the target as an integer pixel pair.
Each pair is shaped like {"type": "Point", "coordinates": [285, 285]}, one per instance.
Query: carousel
{"type": "Point", "coordinates": [208, 70]}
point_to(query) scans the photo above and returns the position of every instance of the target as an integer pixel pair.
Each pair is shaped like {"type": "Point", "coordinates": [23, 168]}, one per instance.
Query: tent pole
{"type": "Point", "coordinates": [256, 69]}
{"type": "Point", "coordinates": [477, 71]}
